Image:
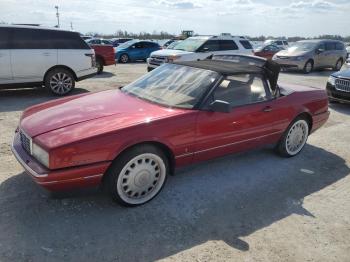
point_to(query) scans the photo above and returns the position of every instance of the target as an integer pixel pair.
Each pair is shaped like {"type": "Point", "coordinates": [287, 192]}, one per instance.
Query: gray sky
{"type": "Point", "coordinates": [238, 17]}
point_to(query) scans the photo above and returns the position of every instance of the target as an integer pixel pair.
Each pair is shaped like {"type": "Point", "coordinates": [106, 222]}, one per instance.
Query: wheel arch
{"type": "Point", "coordinates": [165, 149]}
{"type": "Point", "coordinates": [61, 66]}
{"type": "Point", "coordinates": [101, 58]}
{"type": "Point", "coordinates": [308, 117]}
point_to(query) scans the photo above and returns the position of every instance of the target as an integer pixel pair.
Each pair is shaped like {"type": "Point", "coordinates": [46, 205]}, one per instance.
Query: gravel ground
{"type": "Point", "coordinates": [253, 206]}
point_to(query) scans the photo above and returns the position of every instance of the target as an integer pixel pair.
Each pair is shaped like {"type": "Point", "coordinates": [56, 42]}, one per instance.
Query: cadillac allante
{"type": "Point", "coordinates": [130, 139]}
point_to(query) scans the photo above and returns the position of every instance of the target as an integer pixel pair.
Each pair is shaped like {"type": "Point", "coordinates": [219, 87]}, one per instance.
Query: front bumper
{"type": "Point", "coordinates": [337, 95]}
{"type": "Point", "coordinates": [61, 179]}
{"type": "Point", "coordinates": [290, 64]}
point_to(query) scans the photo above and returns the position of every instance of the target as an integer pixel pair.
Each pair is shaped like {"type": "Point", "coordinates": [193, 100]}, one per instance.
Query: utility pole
{"type": "Point", "coordinates": [71, 26]}
{"type": "Point", "coordinates": [58, 17]}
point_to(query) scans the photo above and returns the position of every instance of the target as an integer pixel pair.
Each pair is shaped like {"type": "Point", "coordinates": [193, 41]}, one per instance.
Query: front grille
{"type": "Point", "coordinates": [283, 57]}
{"type": "Point", "coordinates": [157, 60]}
{"type": "Point", "coordinates": [26, 142]}
{"type": "Point", "coordinates": [342, 85]}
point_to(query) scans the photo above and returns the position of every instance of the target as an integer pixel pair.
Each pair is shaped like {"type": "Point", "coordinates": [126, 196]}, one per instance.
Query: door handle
{"type": "Point", "coordinates": [267, 109]}
{"type": "Point", "coordinates": [46, 54]}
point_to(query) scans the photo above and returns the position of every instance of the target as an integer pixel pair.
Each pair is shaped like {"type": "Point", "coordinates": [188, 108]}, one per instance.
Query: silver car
{"type": "Point", "coordinates": [311, 54]}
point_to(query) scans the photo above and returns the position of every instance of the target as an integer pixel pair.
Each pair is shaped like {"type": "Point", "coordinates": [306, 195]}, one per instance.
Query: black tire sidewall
{"type": "Point", "coordinates": [305, 66]}
{"type": "Point", "coordinates": [52, 73]}
{"type": "Point", "coordinates": [99, 65]}
{"type": "Point", "coordinates": [113, 172]}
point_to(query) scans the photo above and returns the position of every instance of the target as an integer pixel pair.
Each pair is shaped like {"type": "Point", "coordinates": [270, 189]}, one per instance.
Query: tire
{"type": "Point", "coordinates": [338, 64]}
{"type": "Point", "coordinates": [59, 81]}
{"type": "Point", "coordinates": [308, 67]}
{"type": "Point", "coordinates": [149, 69]}
{"type": "Point", "coordinates": [124, 58]}
{"type": "Point", "coordinates": [294, 138]}
{"type": "Point", "coordinates": [99, 65]}
{"type": "Point", "coordinates": [137, 175]}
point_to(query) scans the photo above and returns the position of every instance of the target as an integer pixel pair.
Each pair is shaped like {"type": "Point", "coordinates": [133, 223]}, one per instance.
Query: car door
{"type": "Point", "coordinates": [330, 54]}
{"type": "Point", "coordinates": [320, 58]}
{"type": "Point", "coordinates": [5, 56]}
{"type": "Point", "coordinates": [137, 51]}
{"type": "Point", "coordinates": [32, 54]}
{"type": "Point", "coordinates": [256, 118]}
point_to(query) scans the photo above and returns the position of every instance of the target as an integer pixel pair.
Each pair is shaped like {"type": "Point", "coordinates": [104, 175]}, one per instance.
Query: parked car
{"type": "Point", "coordinates": [167, 43]}
{"type": "Point", "coordinates": [267, 51]}
{"type": "Point", "coordinates": [200, 47]}
{"type": "Point", "coordinates": [338, 85]}
{"type": "Point", "coordinates": [311, 54]}
{"type": "Point", "coordinates": [105, 56]}
{"type": "Point", "coordinates": [99, 41]}
{"type": "Point", "coordinates": [181, 113]}
{"type": "Point", "coordinates": [348, 51]}
{"type": "Point", "coordinates": [86, 37]}
{"type": "Point", "coordinates": [37, 56]}
{"type": "Point", "coordinates": [283, 44]}
{"type": "Point", "coordinates": [135, 50]}
{"type": "Point", "coordinates": [118, 41]}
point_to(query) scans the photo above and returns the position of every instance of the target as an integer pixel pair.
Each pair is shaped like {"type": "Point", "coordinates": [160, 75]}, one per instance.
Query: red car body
{"type": "Point", "coordinates": [105, 53]}
{"type": "Point", "coordinates": [85, 133]}
{"type": "Point", "coordinates": [267, 52]}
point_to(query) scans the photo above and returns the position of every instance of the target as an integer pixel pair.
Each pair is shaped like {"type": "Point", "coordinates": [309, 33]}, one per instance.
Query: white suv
{"type": "Point", "coordinates": [36, 56]}
{"type": "Point", "coordinates": [201, 47]}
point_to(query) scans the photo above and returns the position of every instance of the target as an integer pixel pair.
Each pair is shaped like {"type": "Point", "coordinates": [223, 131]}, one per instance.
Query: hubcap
{"type": "Point", "coordinates": [141, 178]}
{"type": "Point", "coordinates": [61, 83]}
{"type": "Point", "coordinates": [297, 136]}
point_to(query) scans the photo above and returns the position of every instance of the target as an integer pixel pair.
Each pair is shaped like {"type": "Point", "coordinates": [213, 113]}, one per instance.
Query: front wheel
{"type": "Point", "coordinates": [309, 66]}
{"type": "Point", "coordinates": [137, 176]}
{"type": "Point", "coordinates": [60, 81]}
{"type": "Point", "coordinates": [99, 65]}
{"type": "Point", "coordinates": [294, 139]}
{"type": "Point", "coordinates": [124, 58]}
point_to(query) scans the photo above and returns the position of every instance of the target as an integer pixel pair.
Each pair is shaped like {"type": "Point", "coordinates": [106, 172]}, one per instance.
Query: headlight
{"type": "Point", "coordinates": [299, 58]}
{"type": "Point", "coordinates": [331, 80]}
{"type": "Point", "coordinates": [171, 59]}
{"type": "Point", "coordinates": [40, 154]}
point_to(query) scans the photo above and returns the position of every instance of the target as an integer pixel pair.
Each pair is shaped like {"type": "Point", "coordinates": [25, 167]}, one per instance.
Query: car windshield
{"type": "Point", "coordinates": [127, 44]}
{"type": "Point", "coordinates": [190, 44]}
{"type": "Point", "coordinates": [302, 46]}
{"type": "Point", "coordinates": [173, 85]}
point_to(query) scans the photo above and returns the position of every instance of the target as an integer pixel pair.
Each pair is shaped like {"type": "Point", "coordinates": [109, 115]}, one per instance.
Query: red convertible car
{"type": "Point", "coordinates": [130, 139]}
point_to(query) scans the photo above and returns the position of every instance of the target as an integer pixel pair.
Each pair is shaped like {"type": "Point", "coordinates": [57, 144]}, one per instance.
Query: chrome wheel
{"type": "Point", "coordinates": [61, 83]}
{"type": "Point", "coordinates": [141, 178]}
{"type": "Point", "coordinates": [296, 137]}
{"type": "Point", "coordinates": [124, 58]}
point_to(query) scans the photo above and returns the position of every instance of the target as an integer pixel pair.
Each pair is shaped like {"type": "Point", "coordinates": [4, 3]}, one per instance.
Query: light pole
{"type": "Point", "coordinates": [58, 17]}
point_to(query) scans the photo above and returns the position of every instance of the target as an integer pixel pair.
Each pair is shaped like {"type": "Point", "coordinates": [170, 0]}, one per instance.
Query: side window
{"type": "Point", "coordinates": [330, 46]}
{"type": "Point", "coordinates": [339, 46]}
{"type": "Point", "coordinates": [24, 38]}
{"type": "Point", "coordinates": [139, 45]}
{"type": "Point", "coordinates": [106, 42]}
{"type": "Point", "coordinates": [211, 45]}
{"type": "Point", "coordinates": [279, 43]}
{"type": "Point", "coordinates": [227, 45]}
{"type": "Point", "coordinates": [68, 40]}
{"type": "Point", "coordinates": [242, 90]}
{"type": "Point", "coordinates": [246, 44]}
{"type": "Point", "coordinates": [4, 38]}
{"type": "Point", "coordinates": [322, 47]}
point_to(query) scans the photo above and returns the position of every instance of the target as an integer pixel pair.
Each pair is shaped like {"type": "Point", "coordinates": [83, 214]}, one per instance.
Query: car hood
{"type": "Point", "coordinates": [170, 52]}
{"type": "Point", "coordinates": [289, 52]}
{"type": "Point", "coordinates": [127, 110]}
{"type": "Point", "coordinates": [344, 72]}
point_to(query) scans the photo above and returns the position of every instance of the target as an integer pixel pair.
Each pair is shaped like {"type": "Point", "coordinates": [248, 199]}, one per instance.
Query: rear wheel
{"type": "Point", "coordinates": [60, 81]}
{"type": "Point", "coordinates": [309, 66]}
{"type": "Point", "coordinates": [99, 65]}
{"type": "Point", "coordinates": [137, 176]}
{"type": "Point", "coordinates": [294, 139]}
{"type": "Point", "coordinates": [338, 65]}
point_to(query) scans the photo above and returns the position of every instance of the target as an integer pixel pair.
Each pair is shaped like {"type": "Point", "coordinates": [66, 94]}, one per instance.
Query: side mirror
{"type": "Point", "coordinates": [205, 49]}
{"type": "Point", "coordinates": [220, 106]}
{"type": "Point", "coordinates": [319, 51]}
